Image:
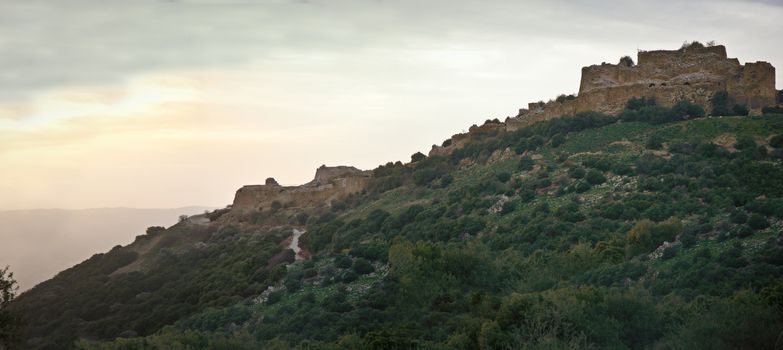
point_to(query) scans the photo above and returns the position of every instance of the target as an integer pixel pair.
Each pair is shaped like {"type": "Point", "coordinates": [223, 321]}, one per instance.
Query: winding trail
{"type": "Point", "coordinates": [294, 245]}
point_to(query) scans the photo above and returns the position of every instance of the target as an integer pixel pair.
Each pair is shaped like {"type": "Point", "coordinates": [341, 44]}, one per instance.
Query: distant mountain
{"type": "Point", "coordinates": [38, 243]}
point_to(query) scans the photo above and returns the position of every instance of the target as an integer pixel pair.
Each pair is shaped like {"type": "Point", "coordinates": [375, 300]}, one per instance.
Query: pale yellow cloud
{"type": "Point", "coordinates": [171, 138]}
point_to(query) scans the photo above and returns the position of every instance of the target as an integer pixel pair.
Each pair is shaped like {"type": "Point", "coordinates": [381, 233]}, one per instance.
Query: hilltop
{"type": "Point", "coordinates": [658, 225]}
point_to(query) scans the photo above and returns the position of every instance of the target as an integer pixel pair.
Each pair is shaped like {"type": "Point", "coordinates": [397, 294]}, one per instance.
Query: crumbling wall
{"type": "Point", "coordinates": [694, 73]}
{"type": "Point", "coordinates": [329, 184]}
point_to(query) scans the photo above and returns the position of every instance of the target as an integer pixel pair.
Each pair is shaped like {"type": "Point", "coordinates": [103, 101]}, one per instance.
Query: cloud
{"type": "Point", "coordinates": [47, 44]}
{"type": "Point", "coordinates": [170, 103]}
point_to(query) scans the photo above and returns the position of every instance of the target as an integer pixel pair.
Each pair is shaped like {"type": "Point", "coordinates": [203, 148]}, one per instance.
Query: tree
{"type": "Point", "coordinates": [594, 177]}
{"type": "Point", "coordinates": [10, 323]}
{"type": "Point", "coordinates": [776, 141]}
{"type": "Point", "coordinates": [417, 157]}
{"type": "Point", "coordinates": [362, 266]}
{"type": "Point", "coordinates": [626, 61]}
{"type": "Point", "coordinates": [655, 141]}
{"type": "Point", "coordinates": [720, 103]}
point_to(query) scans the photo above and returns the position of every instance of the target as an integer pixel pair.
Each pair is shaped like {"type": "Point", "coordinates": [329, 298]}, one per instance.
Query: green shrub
{"type": "Point", "coordinates": [594, 177]}
{"type": "Point", "coordinates": [581, 186]}
{"type": "Point", "coordinates": [739, 109]}
{"type": "Point", "coordinates": [635, 104]}
{"type": "Point", "coordinates": [557, 140]}
{"type": "Point", "coordinates": [418, 156]}
{"type": "Point", "coordinates": [655, 142]}
{"type": "Point", "coordinates": [646, 235]}
{"type": "Point", "coordinates": [576, 172]}
{"type": "Point", "coordinates": [738, 217]}
{"type": "Point", "coordinates": [526, 164]}
{"type": "Point", "coordinates": [362, 266]}
{"type": "Point", "coordinates": [757, 222]}
{"type": "Point", "coordinates": [626, 61]}
{"type": "Point", "coordinates": [744, 142]}
{"type": "Point", "coordinates": [776, 141]}
{"type": "Point", "coordinates": [343, 261]}
{"type": "Point", "coordinates": [720, 103]}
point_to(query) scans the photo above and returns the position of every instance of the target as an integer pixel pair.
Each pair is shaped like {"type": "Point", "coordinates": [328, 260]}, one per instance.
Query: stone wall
{"type": "Point", "coordinates": [329, 184]}
{"type": "Point", "coordinates": [694, 74]}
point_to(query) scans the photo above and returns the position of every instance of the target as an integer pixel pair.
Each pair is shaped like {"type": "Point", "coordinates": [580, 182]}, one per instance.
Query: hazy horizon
{"type": "Point", "coordinates": [159, 104]}
{"type": "Point", "coordinates": [39, 243]}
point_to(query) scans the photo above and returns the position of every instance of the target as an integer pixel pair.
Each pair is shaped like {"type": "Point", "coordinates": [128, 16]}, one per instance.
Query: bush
{"type": "Point", "coordinates": [720, 103]}
{"type": "Point", "coordinates": [343, 262]}
{"type": "Point", "coordinates": [772, 110]}
{"type": "Point", "coordinates": [655, 141]}
{"type": "Point", "coordinates": [594, 177]}
{"type": "Point", "coordinates": [418, 156]}
{"type": "Point", "coordinates": [362, 266]}
{"type": "Point", "coordinates": [744, 143]}
{"type": "Point", "coordinates": [349, 276]}
{"type": "Point", "coordinates": [503, 176]}
{"type": "Point", "coordinates": [526, 164]}
{"type": "Point", "coordinates": [776, 141]}
{"type": "Point", "coordinates": [738, 217]}
{"type": "Point", "coordinates": [646, 235]}
{"type": "Point", "coordinates": [740, 109]}
{"type": "Point", "coordinates": [626, 61]}
{"type": "Point", "coordinates": [557, 140]}
{"type": "Point", "coordinates": [686, 108]}
{"type": "Point", "coordinates": [757, 222]}
{"type": "Point", "coordinates": [576, 172]}
{"type": "Point", "coordinates": [635, 104]}
{"type": "Point", "coordinates": [581, 186]}
{"type": "Point", "coordinates": [274, 297]}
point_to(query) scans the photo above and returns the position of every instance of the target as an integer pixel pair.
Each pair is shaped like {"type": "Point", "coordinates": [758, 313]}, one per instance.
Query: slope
{"type": "Point", "coordinates": [646, 229]}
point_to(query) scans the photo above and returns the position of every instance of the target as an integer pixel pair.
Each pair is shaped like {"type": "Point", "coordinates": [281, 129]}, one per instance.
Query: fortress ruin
{"type": "Point", "coordinates": [692, 73]}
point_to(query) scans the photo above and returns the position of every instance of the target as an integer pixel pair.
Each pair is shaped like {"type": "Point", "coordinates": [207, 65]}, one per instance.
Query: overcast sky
{"type": "Point", "coordinates": [173, 103]}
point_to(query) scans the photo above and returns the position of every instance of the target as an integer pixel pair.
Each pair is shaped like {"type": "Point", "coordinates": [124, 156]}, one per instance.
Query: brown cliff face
{"type": "Point", "coordinates": [693, 73]}
{"type": "Point", "coordinates": [329, 184]}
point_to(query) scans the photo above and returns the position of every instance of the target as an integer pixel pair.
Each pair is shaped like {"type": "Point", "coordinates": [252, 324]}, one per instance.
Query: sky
{"type": "Point", "coordinates": [155, 104]}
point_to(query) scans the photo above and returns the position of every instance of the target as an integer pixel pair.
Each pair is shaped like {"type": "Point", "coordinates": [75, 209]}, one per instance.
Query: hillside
{"type": "Point", "coordinates": [38, 243]}
{"type": "Point", "coordinates": [624, 217]}
{"type": "Point", "coordinates": [645, 229]}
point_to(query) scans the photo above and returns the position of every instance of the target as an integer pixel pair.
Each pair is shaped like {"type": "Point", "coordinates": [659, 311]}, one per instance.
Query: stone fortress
{"type": "Point", "coordinates": [692, 73]}
{"type": "Point", "coordinates": [329, 184]}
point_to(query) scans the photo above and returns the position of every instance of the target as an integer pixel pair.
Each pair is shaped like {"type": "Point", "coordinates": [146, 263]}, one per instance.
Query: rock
{"type": "Point", "coordinates": [270, 181]}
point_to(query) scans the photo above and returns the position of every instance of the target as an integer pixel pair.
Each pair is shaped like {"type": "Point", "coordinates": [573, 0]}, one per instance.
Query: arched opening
{"type": "Point", "coordinates": [651, 85]}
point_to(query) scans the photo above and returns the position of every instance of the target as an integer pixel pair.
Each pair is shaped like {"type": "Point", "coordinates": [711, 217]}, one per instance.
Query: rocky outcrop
{"type": "Point", "coordinates": [693, 73]}
{"type": "Point", "coordinates": [329, 184]}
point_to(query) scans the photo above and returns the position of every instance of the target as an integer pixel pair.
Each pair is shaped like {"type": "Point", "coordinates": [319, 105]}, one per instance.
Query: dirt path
{"type": "Point", "coordinates": [294, 245]}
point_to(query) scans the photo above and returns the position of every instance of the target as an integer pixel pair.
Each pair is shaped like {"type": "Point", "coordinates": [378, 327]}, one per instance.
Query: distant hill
{"type": "Point", "coordinates": [38, 243]}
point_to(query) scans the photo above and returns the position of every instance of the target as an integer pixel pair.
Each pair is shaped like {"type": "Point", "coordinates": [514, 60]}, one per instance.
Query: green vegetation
{"type": "Point", "coordinates": [644, 230]}
{"type": "Point", "coordinates": [10, 322]}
